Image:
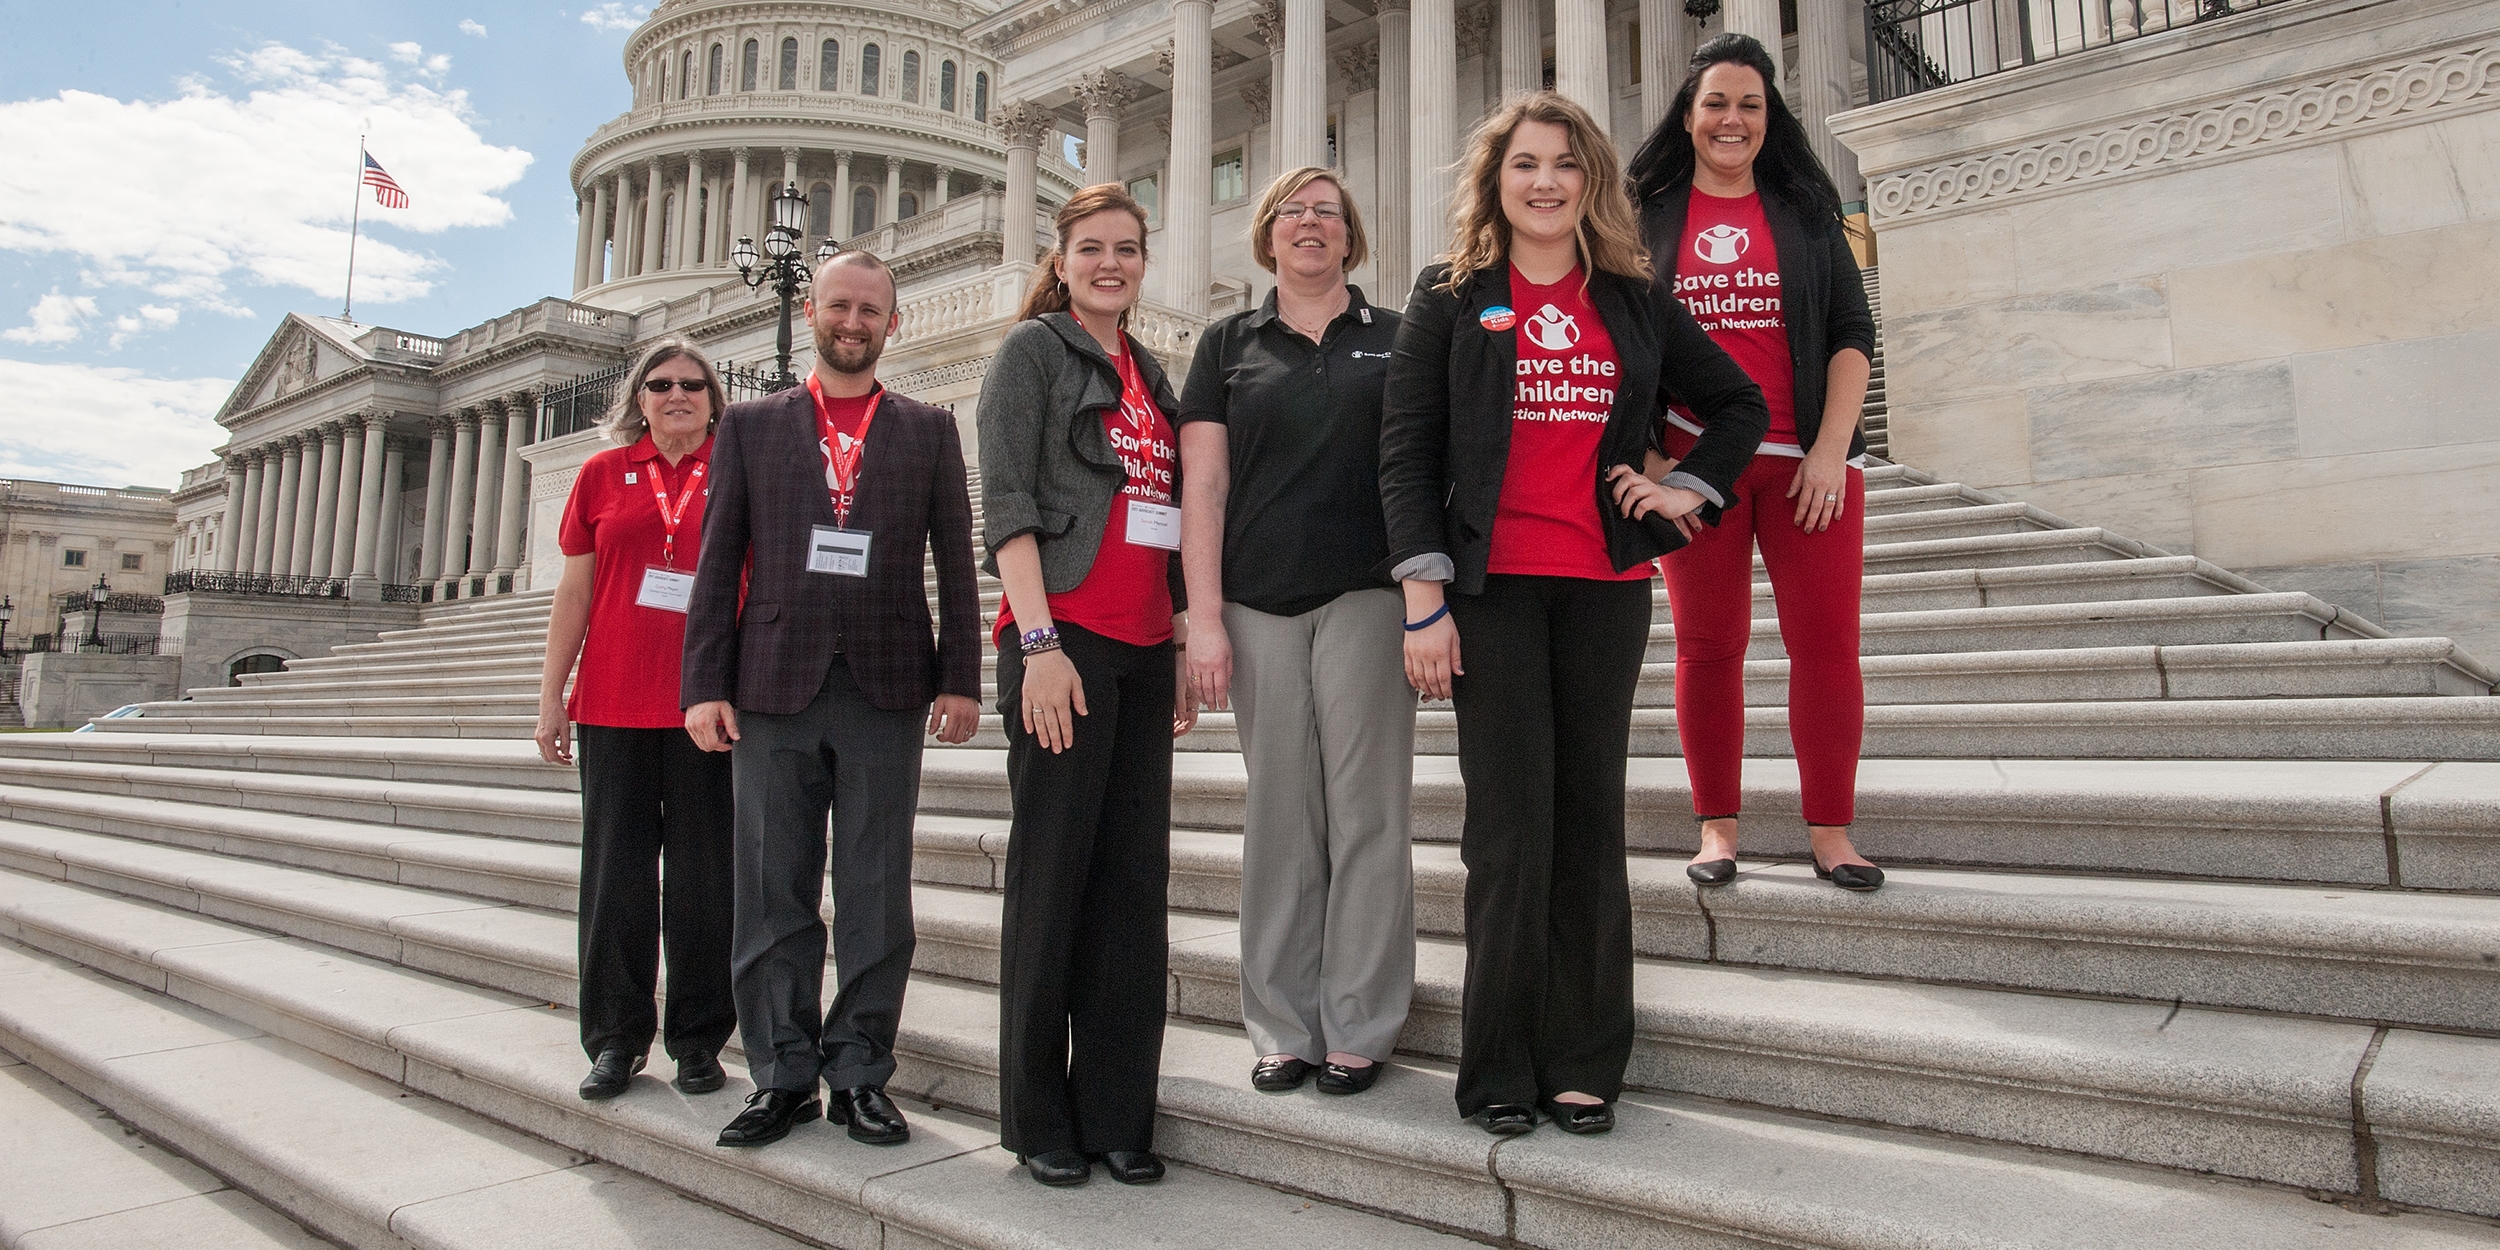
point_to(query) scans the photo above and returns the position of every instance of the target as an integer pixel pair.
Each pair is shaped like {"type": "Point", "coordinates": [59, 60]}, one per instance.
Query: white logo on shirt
{"type": "Point", "coordinates": [1553, 329]}
{"type": "Point", "coordinates": [1722, 244]}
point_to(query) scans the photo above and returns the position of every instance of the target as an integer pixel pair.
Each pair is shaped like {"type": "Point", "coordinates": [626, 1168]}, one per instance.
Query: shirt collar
{"type": "Point", "coordinates": [1355, 306]}
{"type": "Point", "coordinates": [644, 449]}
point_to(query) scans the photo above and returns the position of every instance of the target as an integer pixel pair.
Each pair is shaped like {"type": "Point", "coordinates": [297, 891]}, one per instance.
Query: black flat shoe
{"type": "Point", "coordinates": [770, 1115]}
{"type": "Point", "coordinates": [873, 1118]}
{"type": "Point", "coordinates": [1278, 1074]}
{"type": "Point", "coordinates": [1338, 1078]}
{"type": "Point", "coordinates": [699, 1072]}
{"type": "Point", "coordinates": [1133, 1167]}
{"type": "Point", "coordinates": [1580, 1117]}
{"type": "Point", "coordinates": [1507, 1119]}
{"type": "Point", "coordinates": [1061, 1168]}
{"type": "Point", "coordinates": [610, 1073]}
{"type": "Point", "coordinates": [1711, 871]}
{"type": "Point", "coordinates": [1859, 877]}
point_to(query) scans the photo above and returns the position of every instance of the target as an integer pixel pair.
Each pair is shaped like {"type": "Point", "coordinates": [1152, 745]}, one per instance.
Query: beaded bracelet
{"type": "Point", "coordinates": [1426, 623]}
{"type": "Point", "coordinates": [1037, 641]}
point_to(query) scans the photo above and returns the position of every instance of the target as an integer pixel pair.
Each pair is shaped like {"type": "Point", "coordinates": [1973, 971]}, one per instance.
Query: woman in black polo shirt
{"type": "Point", "coordinates": [1281, 522]}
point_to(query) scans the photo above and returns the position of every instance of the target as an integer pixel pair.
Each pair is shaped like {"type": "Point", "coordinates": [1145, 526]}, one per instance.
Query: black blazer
{"type": "Point", "coordinates": [1445, 429]}
{"type": "Point", "coordinates": [768, 491]}
{"type": "Point", "coordinates": [1822, 298]}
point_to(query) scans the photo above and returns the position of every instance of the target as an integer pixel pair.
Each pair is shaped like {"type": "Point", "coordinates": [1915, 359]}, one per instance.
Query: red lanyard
{"type": "Point", "coordinates": [1142, 417]}
{"type": "Point", "coordinates": [841, 464]}
{"type": "Point", "coordinates": [669, 517]}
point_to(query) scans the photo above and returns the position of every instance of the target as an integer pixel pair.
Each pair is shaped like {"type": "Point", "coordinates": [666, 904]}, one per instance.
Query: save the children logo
{"type": "Point", "coordinates": [1722, 244]}
{"type": "Point", "coordinates": [1553, 329]}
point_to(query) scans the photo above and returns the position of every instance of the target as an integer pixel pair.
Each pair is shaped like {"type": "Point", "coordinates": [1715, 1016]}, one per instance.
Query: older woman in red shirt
{"type": "Point", "coordinates": [650, 799]}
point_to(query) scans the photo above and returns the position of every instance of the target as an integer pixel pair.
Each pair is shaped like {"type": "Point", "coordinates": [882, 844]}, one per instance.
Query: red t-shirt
{"type": "Point", "coordinates": [848, 415]}
{"type": "Point", "coordinates": [1127, 593]}
{"type": "Point", "coordinates": [1728, 275]}
{"type": "Point", "coordinates": [1546, 522]}
{"type": "Point", "coordinates": [629, 664]}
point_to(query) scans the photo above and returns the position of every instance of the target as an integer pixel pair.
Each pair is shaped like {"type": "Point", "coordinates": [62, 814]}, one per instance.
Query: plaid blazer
{"type": "Point", "coordinates": [762, 631]}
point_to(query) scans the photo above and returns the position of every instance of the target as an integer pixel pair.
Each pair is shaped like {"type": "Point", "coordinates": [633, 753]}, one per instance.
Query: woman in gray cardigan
{"type": "Point", "coordinates": [1080, 482]}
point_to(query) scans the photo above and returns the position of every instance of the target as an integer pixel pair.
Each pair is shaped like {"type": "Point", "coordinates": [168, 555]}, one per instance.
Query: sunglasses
{"type": "Point", "coordinates": [662, 386]}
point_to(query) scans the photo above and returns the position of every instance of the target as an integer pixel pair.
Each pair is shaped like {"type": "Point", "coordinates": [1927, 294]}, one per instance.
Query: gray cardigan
{"type": "Point", "coordinates": [1047, 468]}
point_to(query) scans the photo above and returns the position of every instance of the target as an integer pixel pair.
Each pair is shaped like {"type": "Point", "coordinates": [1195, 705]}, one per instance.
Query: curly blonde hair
{"type": "Point", "coordinates": [1609, 231]}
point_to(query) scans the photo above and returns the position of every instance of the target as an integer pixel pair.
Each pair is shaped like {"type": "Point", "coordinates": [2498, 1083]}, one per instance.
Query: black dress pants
{"type": "Point", "coordinates": [1081, 968]}
{"type": "Point", "coordinates": [1544, 722]}
{"type": "Point", "coordinates": [653, 807]}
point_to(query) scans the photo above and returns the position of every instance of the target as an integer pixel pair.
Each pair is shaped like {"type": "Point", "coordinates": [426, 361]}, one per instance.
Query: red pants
{"type": "Point", "coordinates": [1815, 580]}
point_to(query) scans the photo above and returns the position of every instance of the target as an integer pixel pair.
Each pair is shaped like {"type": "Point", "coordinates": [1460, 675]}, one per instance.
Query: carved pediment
{"type": "Point", "coordinates": [296, 357]}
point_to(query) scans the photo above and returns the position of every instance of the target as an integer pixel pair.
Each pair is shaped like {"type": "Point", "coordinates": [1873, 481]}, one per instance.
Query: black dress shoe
{"type": "Point", "coordinates": [1859, 877]}
{"type": "Point", "coordinates": [1338, 1078]}
{"type": "Point", "coordinates": [699, 1072]}
{"type": "Point", "coordinates": [1507, 1119]}
{"type": "Point", "coordinates": [1276, 1074]}
{"type": "Point", "coordinates": [1712, 871]}
{"type": "Point", "coordinates": [1133, 1167]}
{"type": "Point", "coordinates": [873, 1117]}
{"type": "Point", "coordinates": [610, 1073]}
{"type": "Point", "coordinates": [1060, 1168]}
{"type": "Point", "coordinates": [770, 1115]}
{"type": "Point", "coordinates": [1580, 1117]}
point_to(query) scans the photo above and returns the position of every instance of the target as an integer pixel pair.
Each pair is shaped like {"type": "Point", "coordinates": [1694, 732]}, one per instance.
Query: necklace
{"type": "Point", "coordinates": [1312, 333]}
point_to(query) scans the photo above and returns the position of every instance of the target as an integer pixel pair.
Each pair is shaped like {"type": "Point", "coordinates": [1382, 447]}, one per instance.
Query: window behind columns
{"type": "Point", "coordinates": [980, 97]}
{"type": "Point", "coordinates": [711, 71]}
{"type": "Point", "coordinates": [789, 65]}
{"type": "Point", "coordinates": [907, 206]}
{"type": "Point", "coordinates": [946, 86]}
{"type": "Point", "coordinates": [869, 68]}
{"type": "Point", "coordinates": [819, 210]}
{"type": "Point", "coordinates": [685, 76]}
{"type": "Point", "coordinates": [863, 210]}
{"type": "Point", "coordinates": [746, 65]}
{"type": "Point", "coordinates": [829, 66]}
{"type": "Point", "coordinates": [1229, 179]}
{"type": "Point", "coordinates": [911, 78]}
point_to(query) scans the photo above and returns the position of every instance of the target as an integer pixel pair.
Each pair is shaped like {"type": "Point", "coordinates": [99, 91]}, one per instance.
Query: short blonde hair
{"type": "Point", "coordinates": [626, 425]}
{"type": "Point", "coordinates": [1609, 231]}
{"type": "Point", "coordinates": [1289, 184]}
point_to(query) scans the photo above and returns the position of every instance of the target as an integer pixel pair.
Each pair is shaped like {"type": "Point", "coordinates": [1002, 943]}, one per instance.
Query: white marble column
{"type": "Point", "coordinates": [841, 195]}
{"type": "Point", "coordinates": [307, 508]}
{"type": "Point", "coordinates": [1390, 216]}
{"type": "Point", "coordinates": [654, 204]}
{"type": "Point", "coordinates": [1666, 44]}
{"type": "Point", "coordinates": [230, 526]}
{"type": "Point", "coordinates": [1823, 38]}
{"type": "Point", "coordinates": [1580, 57]}
{"type": "Point", "coordinates": [1523, 45]}
{"type": "Point", "coordinates": [583, 231]}
{"type": "Point", "coordinates": [386, 567]}
{"type": "Point", "coordinates": [789, 178]}
{"type": "Point", "coordinates": [890, 209]}
{"type": "Point", "coordinates": [325, 505]}
{"type": "Point", "coordinates": [485, 512]}
{"type": "Point", "coordinates": [267, 469]}
{"type": "Point", "coordinates": [1434, 69]}
{"type": "Point", "coordinates": [1103, 92]}
{"type": "Point", "coordinates": [1301, 133]}
{"type": "Point", "coordinates": [1760, 19]}
{"type": "Point", "coordinates": [517, 411]}
{"type": "Point", "coordinates": [620, 228]}
{"type": "Point", "coordinates": [352, 475]}
{"type": "Point", "coordinates": [460, 501]}
{"type": "Point", "coordinates": [370, 494]}
{"type": "Point", "coordinates": [1187, 186]}
{"type": "Point", "coordinates": [290, 489]}
{"type": "Point", "coordinates": [1022, 123]}
{"type": "Point", "coordinates": [734, 212]}
{"type": "Point", "coordinates": [941, 188]}
{"type": "Point", "coordinates": [437, 500]}
{"type": "Point", "coordinates": [689, 215]}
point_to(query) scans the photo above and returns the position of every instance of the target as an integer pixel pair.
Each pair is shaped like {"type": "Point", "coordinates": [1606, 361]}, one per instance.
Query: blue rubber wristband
{"type": "Point", "coordinates": [1426, 623]}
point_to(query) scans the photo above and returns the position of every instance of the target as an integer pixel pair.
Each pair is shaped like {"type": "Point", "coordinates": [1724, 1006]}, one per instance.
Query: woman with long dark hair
{"type": "Point", "coordinates": [1747, 230]}
{"type": "Point", "coordinates": [1519, 474]}
{"type": "Point", "coordinates": [1080, 483]}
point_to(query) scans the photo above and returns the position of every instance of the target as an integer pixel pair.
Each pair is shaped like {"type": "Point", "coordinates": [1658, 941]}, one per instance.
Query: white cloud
{"type": "Point", "coordinates": [470, 26]}
{"type": "Point", "coordinates": [413, 55]}
{"type": "Point", "coordinates": [148, 317]}
{"type": "Point", "coordinates": [250, 185]}
{"type": "Point", "coordinates": [103, 426]}
{"type": "Point", "coordinates": [54, 319]}
{"type": "Point", "coordinates": [613, 16]}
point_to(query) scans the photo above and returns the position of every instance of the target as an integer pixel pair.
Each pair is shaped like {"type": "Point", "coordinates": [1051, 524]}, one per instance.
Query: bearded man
{"type": "Point", "coordinates": [809, 658]}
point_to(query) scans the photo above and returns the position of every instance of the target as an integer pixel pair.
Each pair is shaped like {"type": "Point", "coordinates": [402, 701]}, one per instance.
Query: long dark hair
{"type": "Point", "coordinates": [1785, 166]}
{"type": "Point", "coordinates": [1048, 293]}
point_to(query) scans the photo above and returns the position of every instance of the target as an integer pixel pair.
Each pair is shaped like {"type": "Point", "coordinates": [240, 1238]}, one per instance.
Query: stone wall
{"type": "Point", "coordinates": [208, 632]}
{"type": "Point", "coordinates": [57, 690]}
{"type": "Point", "coordinates": [2228, 289]}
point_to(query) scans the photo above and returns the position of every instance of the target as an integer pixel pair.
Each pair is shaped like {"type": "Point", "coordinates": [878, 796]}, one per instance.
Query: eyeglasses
{"type": "Point", "coordinates": [1324, 212]}
{"type": "Point", "coordinates": [662, 386]}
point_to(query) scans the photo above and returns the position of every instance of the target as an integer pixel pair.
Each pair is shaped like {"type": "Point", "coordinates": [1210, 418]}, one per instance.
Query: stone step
{"type": "Point", "coordinates": [503, 765]}
{"type": "Point", "coordinates": [459, 608]}
{"type": "Point", "coordinates": [457, 687]}
{"type": "Point", "coordinates": [349, 654]}
{"type": "Point", "coordinates": [1918, 553]}
{"type": "Point", "coordinates": [523, 665]}
{"type": "Point", "coordinates": [362, 1160]}
{"type": "Point", "coordinates": [468, 727]}
{"type": "Point", "coordinates": [488, 630]}
{"type": "Point", "coordinates": [550, 816]}
{"type": "Point", "coordinates": [77, 1177]}
{"type": "Point", "coordinates": [474, 1050]}
{"type": "Point", "coordinates": [2199, 620]}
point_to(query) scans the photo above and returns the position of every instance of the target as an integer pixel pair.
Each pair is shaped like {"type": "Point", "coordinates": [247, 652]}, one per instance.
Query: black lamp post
{"type": "Point", "coordinates": [782, 265]}
{"type": "Point", "coordinates": [95, 612]}
{"type": "Point", "coordinates": [7, 609]}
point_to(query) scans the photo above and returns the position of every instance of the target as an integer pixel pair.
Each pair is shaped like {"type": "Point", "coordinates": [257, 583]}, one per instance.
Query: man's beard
{"type": "Point", "coordinates": [842, 357]}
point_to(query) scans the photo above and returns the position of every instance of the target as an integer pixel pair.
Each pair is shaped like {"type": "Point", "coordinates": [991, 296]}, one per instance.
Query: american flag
{"type": "Point", "coordinates": [385, 192]}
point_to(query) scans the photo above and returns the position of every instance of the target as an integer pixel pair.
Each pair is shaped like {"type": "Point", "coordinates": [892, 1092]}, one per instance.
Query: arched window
{"type": "Point", "coordinates": [746, 65]}
{"type": "Point", "coordinates": [907, 206]}
{"type": "Point", "coordinates": [869, 68]}
{"type": "Point", "coordinates": [829, 66]}
{"type": "Point", "coordinates": [670, 244]}
{"type": "Point", "coordinates": [685, 76]}
{"type": "Point", "coordinates": [252, 664]}
{"type": "Point", "coordinates": [789, 64]}
{"type": "Point", "coordinates": [863, 209]}
{"type": "Point", "coordinates": [911, 78]}
{"type": "Point", "coordinates": [946, 86]}
{"type": "Point", "coordinates": [711, 72]}
{"type": "Point", "coordinates": [819, 211]}
{"type": "Point", "coordinates": [980, 97]}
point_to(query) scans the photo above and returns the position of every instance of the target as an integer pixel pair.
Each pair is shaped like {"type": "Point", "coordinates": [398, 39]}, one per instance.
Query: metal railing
{"type": "Point", "coordinates": [186, 581]}
{"type": "Point", "coordinates": [118, 601]}
{"type": "Point", "coordinates": [392, 593]}
{"type": "Point", "coordinates": [64, 642]}
{"type": "Point", "coordinates": [579, 404]}
{"type": "Point", "coordinates": [1919, 45]}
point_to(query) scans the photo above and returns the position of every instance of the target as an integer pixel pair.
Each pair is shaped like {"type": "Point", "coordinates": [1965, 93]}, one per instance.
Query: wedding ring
{"type": "Point", "coordinates": [1831, 496]}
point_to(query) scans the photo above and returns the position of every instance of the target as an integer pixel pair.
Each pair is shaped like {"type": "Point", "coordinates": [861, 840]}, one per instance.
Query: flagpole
{"type": "Point", "coordinates": [355, 218]}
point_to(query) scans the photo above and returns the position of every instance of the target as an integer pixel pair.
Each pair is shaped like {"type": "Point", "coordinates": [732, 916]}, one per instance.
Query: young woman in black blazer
{"type": "Point", "coordinates": [1526, 499]}
{"type": "Point", "coordinates": [1746, 225]}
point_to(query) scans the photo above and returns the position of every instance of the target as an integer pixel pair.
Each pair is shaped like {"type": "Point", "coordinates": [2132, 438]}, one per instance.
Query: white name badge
{"type": "Point", "coordinates": [1154, 525]}
{"type": "Point", "coordinates": [841, 552]}
{"type": "Point", "coordinates": [669, 590]}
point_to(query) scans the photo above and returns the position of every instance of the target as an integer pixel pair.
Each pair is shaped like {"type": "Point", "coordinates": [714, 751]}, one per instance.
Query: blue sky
{"type": "Point", "coordinates": [179, 180]}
